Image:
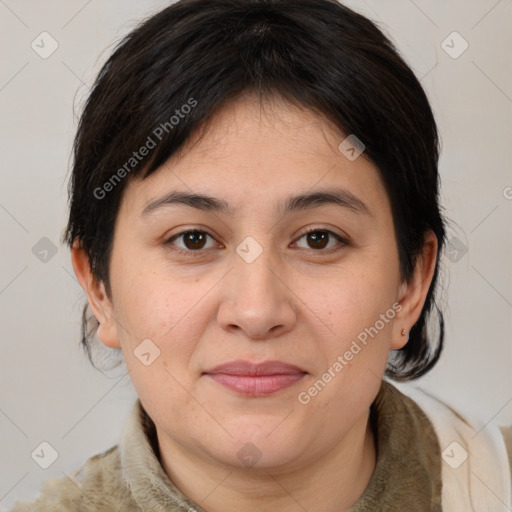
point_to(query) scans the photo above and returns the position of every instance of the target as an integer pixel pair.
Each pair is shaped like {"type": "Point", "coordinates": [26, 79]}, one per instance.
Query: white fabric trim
{"type": "Point", "coordinates": [475, 468]}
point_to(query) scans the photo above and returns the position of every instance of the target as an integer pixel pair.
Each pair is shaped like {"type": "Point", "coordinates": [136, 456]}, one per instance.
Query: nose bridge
{"type": "Point", "coordinates": [257, 300]}
{"type": "Point", "coordinates": [255, 274]}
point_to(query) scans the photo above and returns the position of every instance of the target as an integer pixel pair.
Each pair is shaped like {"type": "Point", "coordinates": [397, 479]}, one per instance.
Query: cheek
{"type": "Point", "coordinates": [358, 309]}
{"type": "Point", "coordinates": [353, 300]}
{"type": "Point", "coordinates": [166, 308]}
{"type": "Point", "coordinates": [168, 312]}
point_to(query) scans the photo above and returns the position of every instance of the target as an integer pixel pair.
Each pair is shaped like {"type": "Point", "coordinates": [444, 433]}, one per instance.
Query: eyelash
{"type": "Point", "coordinates": [174, 248]}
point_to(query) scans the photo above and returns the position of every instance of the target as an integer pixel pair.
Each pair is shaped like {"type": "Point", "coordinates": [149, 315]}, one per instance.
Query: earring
{"type": "Point", "coordinates": [404, 332]}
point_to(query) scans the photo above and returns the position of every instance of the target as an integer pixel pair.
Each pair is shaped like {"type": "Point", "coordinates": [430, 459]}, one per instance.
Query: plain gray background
{"type": "Point", "coordinates": [50, 393]}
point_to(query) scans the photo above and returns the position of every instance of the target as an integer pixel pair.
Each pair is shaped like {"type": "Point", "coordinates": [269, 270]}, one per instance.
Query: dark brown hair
{"type": "Point", "coordinates": [317, 54]}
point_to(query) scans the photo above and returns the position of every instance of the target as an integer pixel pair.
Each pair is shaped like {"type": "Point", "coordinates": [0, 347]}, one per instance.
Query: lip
{"type": "Point", "coordinates": [256, 379]}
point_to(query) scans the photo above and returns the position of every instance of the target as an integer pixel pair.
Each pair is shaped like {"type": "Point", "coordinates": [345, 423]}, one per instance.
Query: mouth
{"type": "Point", "coordinates": [252, 379]}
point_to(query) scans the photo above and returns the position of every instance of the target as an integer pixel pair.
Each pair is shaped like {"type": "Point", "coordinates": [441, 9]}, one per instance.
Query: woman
{"type": "Point", "coordinates": [254, 219]}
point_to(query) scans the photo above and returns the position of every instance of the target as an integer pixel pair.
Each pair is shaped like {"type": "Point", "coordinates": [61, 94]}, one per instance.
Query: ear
{"type": "Point", "coordinates": [99, 302]}
{"type": "Point", "coordinates": [413, 294]}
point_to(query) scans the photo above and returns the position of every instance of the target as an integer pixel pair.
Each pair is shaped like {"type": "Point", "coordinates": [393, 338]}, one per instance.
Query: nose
{"type": "Point", "coordinates": [257, 300]}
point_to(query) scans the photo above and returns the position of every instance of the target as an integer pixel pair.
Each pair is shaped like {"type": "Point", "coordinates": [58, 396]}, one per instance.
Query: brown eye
{"type": "Point", "coordinates": [191, 241]}
{"type": "Point", "coordinates": [319, 239]}
{"type": "Point", "coordinates": [194, 240]}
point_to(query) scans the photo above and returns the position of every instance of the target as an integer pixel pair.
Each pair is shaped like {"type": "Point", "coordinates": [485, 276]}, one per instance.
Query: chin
{"type": "Point", "coordinates": [259, 443]}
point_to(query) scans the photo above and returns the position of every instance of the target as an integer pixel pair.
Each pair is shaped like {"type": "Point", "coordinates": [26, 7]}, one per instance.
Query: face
{"type": "Point", "coordinates": [271, 325]}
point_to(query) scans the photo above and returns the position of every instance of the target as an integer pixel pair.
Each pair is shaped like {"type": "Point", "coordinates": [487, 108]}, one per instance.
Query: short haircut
{"type": "Point", "coordinates": [316, 54]}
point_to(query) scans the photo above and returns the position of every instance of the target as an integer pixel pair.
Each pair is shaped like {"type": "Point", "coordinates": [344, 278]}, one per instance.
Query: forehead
{"type": "Point", "coordinates": [266, 123]}
{"type": "Point", "coordinates": [253, 152]}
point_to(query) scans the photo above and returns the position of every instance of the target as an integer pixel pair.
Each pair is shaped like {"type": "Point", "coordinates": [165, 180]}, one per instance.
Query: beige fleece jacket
{"type": "Point", "coordinates": [129, 477]}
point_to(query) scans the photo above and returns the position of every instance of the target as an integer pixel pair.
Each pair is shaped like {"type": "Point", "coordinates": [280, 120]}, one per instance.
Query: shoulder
{"type": "Point", "coordinates": [475, 453]}
{"type": "Point", "coordinates": [96, 486]}
{"type": "Point", "coordinates": [507, 437]}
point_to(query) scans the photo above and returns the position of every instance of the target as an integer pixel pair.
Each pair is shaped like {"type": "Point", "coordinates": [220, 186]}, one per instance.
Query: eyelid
{"type": "Point", "coordinates": [313, 228]}
{"type": "Point", "coordinates": [169, 241]}
{"type": "Point", "coordinates": [343, 240]}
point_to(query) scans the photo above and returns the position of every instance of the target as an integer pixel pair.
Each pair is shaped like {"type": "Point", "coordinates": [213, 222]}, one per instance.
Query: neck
{"type": "Point", "coordinates": [333, 481]}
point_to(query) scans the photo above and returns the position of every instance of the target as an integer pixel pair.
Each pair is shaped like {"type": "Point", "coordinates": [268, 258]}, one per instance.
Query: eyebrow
{"type": "Point", "coordinates": [339, 197]}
